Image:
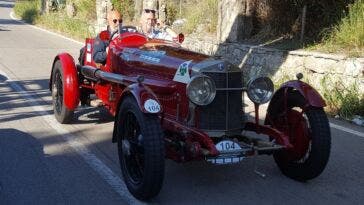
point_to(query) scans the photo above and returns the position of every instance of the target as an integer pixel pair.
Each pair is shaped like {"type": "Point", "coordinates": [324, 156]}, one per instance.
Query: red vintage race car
{"type": "Point", "coordinates": [173, 103]}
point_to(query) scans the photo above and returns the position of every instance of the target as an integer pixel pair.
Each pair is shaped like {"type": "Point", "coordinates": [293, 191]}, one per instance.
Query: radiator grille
{"type": "Point", "coordinates": [225, 112]}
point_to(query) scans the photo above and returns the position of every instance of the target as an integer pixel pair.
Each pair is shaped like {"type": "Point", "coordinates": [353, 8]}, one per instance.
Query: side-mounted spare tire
{"type": "Point", "coordinates": [141, 150]}
{"type": "Point", "coordinates": [61, 112]}
{"type": "Point", "coordinates": [309, 132]}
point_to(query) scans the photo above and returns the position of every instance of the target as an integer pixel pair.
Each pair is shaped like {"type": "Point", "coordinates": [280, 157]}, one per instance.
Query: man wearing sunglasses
{"type": "Point", "coordinates": [148, 27]}
{"type": "Point", "coordinates": [101, 44]}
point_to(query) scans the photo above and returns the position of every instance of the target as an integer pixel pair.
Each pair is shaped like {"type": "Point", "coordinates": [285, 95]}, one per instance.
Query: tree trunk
{"type": "Point", "coordinates": [162, 11]}
{"type": "Point", "coordinates": [102, 7]}
{"type": "Point", "coordinates": [44, 7]}
{"type": "Point", "coordinates": [234, 20]}
{"type": "Point", "coordinates": [150, 4]}
{"type": "Point", "coordinates": [138, 9]}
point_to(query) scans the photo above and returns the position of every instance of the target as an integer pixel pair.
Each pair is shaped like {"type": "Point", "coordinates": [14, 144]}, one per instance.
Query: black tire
{"type": "Point", "coordinates": [61, 112]}
{"type": "Point", "coordinates": [317, 155]}
{"type": "Point", "coordinates": [141, 150]}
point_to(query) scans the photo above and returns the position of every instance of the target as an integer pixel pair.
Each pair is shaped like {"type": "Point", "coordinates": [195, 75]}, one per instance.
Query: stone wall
{"type": "Point", "coordinates": [284, 65]}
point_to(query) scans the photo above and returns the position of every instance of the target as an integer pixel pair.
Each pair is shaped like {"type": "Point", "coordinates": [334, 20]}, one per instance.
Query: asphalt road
{"type": "Point", "coordinates": [43, 162]}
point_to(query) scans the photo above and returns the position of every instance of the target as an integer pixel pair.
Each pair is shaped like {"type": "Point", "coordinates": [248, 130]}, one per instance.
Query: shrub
{"type": "Point", "coordinates": [27, 10]}
{"type": "Point", "coordinates": [73, 27]}
{"type": "Point", "coordinates": [345, 101]}
{"type": "Point", "coordinates": [349, 33]}
{"type": "Point", "coordinates": [125, 7]}
{"type": "Point", "coordinates": [196, 17]}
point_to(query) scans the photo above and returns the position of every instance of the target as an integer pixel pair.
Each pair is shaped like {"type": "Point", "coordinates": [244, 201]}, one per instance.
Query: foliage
{"type": "Point", "coordinates": [172, 12]}
{"type": "Point", "coordinates": [345, 101]}
{"type": "Point", "coordinates": [27, 10]}
{"type": "Point", "coordinates": [86, 9]}
{"type": "Point", "coordinates": [349, 33]}
{"type": "Point", "coordinates": [191, 10]}
{"type": "Point", "coordinates": [125, 7]}
{"type": "Point", "coordinates": [284, 17]}
{"type": "Point", "coordinates": [75, 27]}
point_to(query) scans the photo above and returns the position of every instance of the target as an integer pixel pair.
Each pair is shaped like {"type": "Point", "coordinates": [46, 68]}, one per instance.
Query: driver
{"type": "Point", "coordinates": [148, 27]}
{"type": "Point", "coordinates": [101, 43]}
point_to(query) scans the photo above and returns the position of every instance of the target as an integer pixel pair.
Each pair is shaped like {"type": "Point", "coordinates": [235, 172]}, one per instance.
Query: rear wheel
{"type": "Point", "coordinates": [309, 133]}
{"type": "Point", "coordinates": [61, 112]}
{"type": "Point", "coordinates": [141, 150]}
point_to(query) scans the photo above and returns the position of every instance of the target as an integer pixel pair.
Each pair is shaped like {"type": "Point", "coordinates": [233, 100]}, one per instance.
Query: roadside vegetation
{"type": "Point", "coordinates": [348, 35]}
{"type": "Point", "coordinates": [79, 26]}
{"type": "Point", "coordinates": [27, 10]}
{"type": "Point", "coordinates": [199, 14]}
{"type": "Point", "coordinates": [342, 100]}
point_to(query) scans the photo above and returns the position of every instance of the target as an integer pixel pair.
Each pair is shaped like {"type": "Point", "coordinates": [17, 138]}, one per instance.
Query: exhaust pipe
{"type": "Point", "coordinates": [96, 74]}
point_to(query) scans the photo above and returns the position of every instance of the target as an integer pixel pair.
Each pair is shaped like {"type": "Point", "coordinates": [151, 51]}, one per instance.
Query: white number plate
{"type": "Point", "coordinates": [227, 145]}
{"type": "Point", "coordinates": [229, 153]}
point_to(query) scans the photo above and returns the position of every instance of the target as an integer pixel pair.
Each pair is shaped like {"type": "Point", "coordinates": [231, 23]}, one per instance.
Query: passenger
{"type": "Point", "coordinates": [148, 24]}
{"type": "Point", "coordinates": [101, 49]}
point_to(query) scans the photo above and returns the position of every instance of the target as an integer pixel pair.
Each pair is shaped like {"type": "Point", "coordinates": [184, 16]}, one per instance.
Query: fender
{"type": "Point", "coordinates": [311, 95]}
{"type": "Point", "coordinates": [144, 96]}
{"type": "Point", "coordinates": [70, 80]}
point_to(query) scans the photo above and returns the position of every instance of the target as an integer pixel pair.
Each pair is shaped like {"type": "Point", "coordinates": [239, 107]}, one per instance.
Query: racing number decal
{"type": "Point", "coordinates": [182, 75]}
{"type": "Point", "coordinates": [152, 106]}
{"type": "Point", "coordinates": [227, 145]}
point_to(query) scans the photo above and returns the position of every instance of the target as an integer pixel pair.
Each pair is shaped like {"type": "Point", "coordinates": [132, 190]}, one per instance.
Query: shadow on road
{"type": "Point", "coordinates": [39, 168]}
{"type": "Point", "coordinates": [10, 22]}
{"type": "Point", "coordinates": [6, 5]}
{"type": "Point", "coordinates": [24, 176]}
{"type": "Point", "coordinates": [11, 99]}
{"type": "Point", "coordinates": [38, 91]}
{"type": "Point", "coordinates": [91, 115]}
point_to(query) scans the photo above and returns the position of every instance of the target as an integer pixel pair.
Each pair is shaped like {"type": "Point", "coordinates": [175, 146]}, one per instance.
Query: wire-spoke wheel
{"type": "Point", "coordinates": [61, 112]}
{"type": "Point", "coordinates": [141, 150]}
{"type": "Point", "coordinates": [308, 131]}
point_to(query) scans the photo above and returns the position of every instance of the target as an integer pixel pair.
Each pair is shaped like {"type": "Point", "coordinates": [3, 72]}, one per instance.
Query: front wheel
{"type": "Point", "coordinates": [61, 112]}
{"type": "Point", "coordinates": [308, 131]}
{"type": "Point", "coordinates": [141, 150]}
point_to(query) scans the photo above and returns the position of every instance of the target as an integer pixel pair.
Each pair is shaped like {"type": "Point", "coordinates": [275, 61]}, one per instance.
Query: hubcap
{"type": "Point", "coordinates": [296, 127]}
{"type": "Point", "coordinates": [126, 147]}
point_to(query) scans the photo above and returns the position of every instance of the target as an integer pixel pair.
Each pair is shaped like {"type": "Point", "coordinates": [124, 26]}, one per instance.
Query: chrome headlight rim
{"type": "Point", "coordinates": [210, 97]}
{"type": "Point", "coordinates": [265, 98]}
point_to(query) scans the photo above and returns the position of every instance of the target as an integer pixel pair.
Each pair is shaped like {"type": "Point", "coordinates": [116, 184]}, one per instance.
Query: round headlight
{"type": "Point", "coordinates": [201, 90]}
{"type": "Point", "coordinates": [260, 90]}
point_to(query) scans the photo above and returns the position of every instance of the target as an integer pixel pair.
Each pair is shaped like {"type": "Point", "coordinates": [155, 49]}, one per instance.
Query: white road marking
{"type": "Point", "coordinates": [354, 132]}
{"type": "Point", "coordinates": [38, 28]}
{"type": "Point", "coordinates": [95, 163]}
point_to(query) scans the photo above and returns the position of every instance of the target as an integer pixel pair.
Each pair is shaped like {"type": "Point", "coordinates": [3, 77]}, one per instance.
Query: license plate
{"type": "Point", "coordinates": [229, 153]}
{"type": "Point", "coordinates": [227, 145]}
{"type": "Point", "coordinates": [225, 160]}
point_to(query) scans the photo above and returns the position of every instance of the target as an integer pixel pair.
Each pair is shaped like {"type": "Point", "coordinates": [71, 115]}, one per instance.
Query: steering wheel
{"type": "Point", "coordinates": [124, 29]}
{"type": "Point", "coordinates": [131, 29]}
